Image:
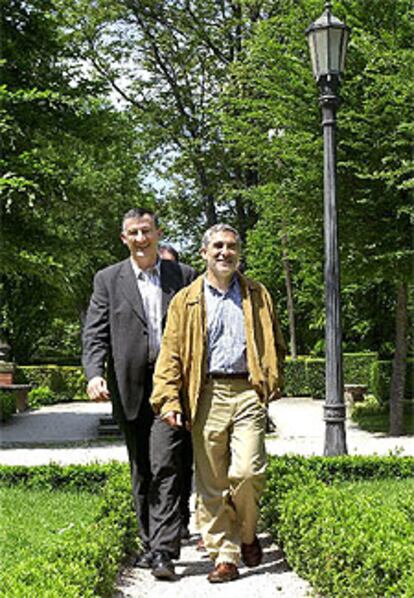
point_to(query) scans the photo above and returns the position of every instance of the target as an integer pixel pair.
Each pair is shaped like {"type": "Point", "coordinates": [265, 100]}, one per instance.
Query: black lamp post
{"type": "Point", "coordinates": [328, 39]}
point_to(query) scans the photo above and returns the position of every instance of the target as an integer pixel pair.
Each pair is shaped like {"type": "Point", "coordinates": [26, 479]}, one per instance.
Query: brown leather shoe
{"type": "Point", "coordinates": [252, 554]}
{"type": "Point", "coordinates": [223, 572]}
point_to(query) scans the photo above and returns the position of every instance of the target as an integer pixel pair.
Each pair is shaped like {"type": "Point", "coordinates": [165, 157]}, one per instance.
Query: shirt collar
{"type": "Point", "coordinates": [233, 284]}
{"type": "Point", "coordinates": [156, 269]}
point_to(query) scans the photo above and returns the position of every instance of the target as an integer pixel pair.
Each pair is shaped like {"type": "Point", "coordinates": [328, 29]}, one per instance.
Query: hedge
{"type": "Point", "coordinates": [84, 562]}
{"type": "Point", "coordinates": [67, 383]}
{"type": "Point", "coordinates": [303, 377]}
{"type": "Point", "coordinates": [7, 405]}
{"type": "Point", "coordinates": [350, 545]}
{"type": "Point", "coordinates": [382, 372]}
{"type": "Point", "coordinates": [343, 543]}
{"type": "Point", "coordinates": [306, 375]}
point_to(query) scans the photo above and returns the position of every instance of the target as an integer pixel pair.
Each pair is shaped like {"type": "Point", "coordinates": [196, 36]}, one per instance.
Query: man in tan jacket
{"type": "Point", "coordinates": [220, 364]}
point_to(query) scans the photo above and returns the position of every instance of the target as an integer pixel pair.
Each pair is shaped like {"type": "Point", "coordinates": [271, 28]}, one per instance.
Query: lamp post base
{"type": "Point", "coordinates": [335, 433]}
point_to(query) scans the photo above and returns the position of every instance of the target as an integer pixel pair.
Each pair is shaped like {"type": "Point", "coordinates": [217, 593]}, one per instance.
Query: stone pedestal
{"type": "Point", "coordinates": [6, 372]}
{"type": "Point", "coordinates": [20, 391]}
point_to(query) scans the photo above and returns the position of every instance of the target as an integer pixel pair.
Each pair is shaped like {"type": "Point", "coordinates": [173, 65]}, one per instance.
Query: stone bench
{"type": "Point", "coordinates": [20, 391]}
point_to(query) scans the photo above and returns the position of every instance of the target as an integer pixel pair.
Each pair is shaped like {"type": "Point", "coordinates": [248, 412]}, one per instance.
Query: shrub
{"type": "Point", "coordinates": [315, 377]}
{"type": "Point", "coordinates": [382, 372]}
{"type": "Point", "coordinates": [67, 383]}
{"type": "Point", "coordinates": [374, 416]}
{"type": "Point", "coordinates": [335, 539]}
{"type": "Point", "coordinates": [291, 471]}
{"type": "Point", "coordinates": [295, 378]}
{"type": "Point", "coordinates": [358, 368]}
{"type": "Point", "coordinates": [7, 405]}
{"type": "Point", "coordinates": [86, 561]}
{"type": "Point", "coordinates": [306, 375]}
{"type": "Point", "coordinates": [42, 395]}
{"type": "Point", "coordinates": [350, 544]}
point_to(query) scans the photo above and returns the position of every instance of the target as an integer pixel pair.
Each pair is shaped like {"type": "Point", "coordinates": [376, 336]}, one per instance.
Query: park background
{"type": "Point", "coordinates": [207, 111]}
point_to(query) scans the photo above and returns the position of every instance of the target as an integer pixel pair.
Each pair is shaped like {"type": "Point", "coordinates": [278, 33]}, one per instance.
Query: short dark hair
{"type": "Point", "coordinates": [139, 213]}
{"type": "Point", "coordinates": [170, 249]}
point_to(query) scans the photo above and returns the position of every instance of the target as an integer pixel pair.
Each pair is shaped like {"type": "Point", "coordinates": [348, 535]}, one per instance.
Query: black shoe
{"type": "Point", "coordinates": [144, 560]}
{"type": "Point", "coordinates": [163, 567]}
{"type": "Point", "coordinates": [184, 532]}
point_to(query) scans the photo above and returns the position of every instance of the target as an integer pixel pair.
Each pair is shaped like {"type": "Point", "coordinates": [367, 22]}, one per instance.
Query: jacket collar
{"type": "Point", "coordinates": [195, 291]}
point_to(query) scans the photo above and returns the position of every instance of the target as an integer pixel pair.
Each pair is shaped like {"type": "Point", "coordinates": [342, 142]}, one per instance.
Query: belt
{"type": "Point", "coordinates": [232, 375]}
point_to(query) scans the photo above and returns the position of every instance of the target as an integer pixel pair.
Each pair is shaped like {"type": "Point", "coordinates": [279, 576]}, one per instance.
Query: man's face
{"type": "Point", "coordinates": [222, 255]}
{"type": "Point", "coordinates": [141, 237]}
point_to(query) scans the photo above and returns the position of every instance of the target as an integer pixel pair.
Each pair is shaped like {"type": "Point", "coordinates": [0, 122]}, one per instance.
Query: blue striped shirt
{"type": "Point", "coordinates": [225, 326]}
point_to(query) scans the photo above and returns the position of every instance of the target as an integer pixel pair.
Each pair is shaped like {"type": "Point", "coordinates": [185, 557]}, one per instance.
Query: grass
{"type": "Point", "coordinates": [32, 519]}
{"type": "Point", "coordinates": [390, 491]}
{"type": "Point", "coordinates": [374, 417]}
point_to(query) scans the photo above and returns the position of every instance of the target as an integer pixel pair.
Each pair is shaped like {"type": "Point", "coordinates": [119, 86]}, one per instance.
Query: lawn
{"type": "Point", "coordinates": [374, 417]}
{"type": "Point", "coordinates": [34, 520]}
{"type": "Point", "coordinates": [390, 491]}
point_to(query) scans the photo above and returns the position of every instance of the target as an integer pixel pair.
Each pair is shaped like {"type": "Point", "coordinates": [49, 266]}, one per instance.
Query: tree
{"type": "Point", "coordinates": [170, 61]}
{"type": "Point", "coordinates": [70, 167]}
{"type": "Point", "coordinates": [272, 91]}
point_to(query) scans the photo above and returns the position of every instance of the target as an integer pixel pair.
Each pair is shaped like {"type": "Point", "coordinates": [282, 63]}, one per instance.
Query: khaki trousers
{"type": "Point", "coordinates": [230, 462]}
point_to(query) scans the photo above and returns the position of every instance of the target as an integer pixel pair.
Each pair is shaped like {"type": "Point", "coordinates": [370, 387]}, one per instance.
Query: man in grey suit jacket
{"type": "Point", "coordinates": [121, 340]}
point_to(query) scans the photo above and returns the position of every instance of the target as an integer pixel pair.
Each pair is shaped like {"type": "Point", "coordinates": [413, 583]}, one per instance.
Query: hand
{"type": "Point", "coordinates": [97, 389]}
{"type": "Point", "coordinates": [173, 419]}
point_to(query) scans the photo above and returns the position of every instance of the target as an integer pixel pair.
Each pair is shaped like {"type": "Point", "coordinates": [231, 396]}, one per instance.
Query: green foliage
{"type": "Point", "coordinates": [306, 375]}
{"type": "Point", "coordinates": [315, 374]}
{"type": "Point", "coordinates": [374, 416]}
{"type": "Point", "coordinates": [70, 169]}
{"type": "Point", "coordinates": [33, 520]}
{"type": "Point", "coordinates": [271, 123]}
{"type": "Point", "coordinates": [358, 368]}
{"type": "Point", "coordinates": [333, 524]}
{"type": "Point", "coordinates": [335, 537]}
{"type": "Point", "coordinates": [7, 405]}
{"type": "Point", "coordinates": [84, 560]}
{"type": "Point", "coordinates": [296, 384]}
{"type": "Point", "coordinates": [65, 383]}
{"type": "Point", "coordinates": [382, 373]}
{"type": "Point", "coordinates": [42, 395]}
{"type": "Point", "coordinates": [293, 471]}
{"type": "Point", "coordinates": [53, 476]}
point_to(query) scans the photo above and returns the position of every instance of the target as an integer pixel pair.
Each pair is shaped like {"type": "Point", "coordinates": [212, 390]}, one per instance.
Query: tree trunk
{"type": "Point", "coordinates": [290, 307]}
{"type": "Point", "coordinates": [209, 203]}
{"type": "Point", "coordinates": [399, 364]}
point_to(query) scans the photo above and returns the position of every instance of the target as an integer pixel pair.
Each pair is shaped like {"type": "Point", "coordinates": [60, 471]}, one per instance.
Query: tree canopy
{"type": "Point", "coordinates": [216, 118]}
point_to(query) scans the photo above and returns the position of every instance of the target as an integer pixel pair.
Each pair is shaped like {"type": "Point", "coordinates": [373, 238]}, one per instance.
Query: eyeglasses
{"type": "Point", "coordinates": [133, 233]}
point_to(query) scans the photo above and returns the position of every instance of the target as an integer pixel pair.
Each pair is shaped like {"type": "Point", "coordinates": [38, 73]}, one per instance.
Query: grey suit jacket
{"type": "Point", "coordinates": [115, 336]}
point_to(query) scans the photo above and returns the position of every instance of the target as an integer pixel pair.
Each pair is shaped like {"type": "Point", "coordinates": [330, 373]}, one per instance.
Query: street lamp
{"type": "Point", "coordinates": [327, 38]}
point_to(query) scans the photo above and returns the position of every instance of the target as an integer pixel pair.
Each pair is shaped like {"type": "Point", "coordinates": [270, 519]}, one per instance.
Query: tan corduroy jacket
{"type": "Point", "coordinates": [180, 372]}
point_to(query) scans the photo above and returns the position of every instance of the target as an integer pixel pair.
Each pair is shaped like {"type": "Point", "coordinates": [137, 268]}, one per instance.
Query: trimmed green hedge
{"type": "Point", "coordinates": [306, 375]}
{"type": "Point", "coordinates": [382, 371]}
{"type": "Point", "coordinates": [67, 383]}
{"type": "Point", "coordinates": [303, 377]}
{"type": "Point", "coordinates": [7, 405]}
{"type": "Point", "coordinates": [351, 543]}
{"type": "Point", "coordinates": [346, 544]}
{"type": "Point", "coordinates": [84, 562]}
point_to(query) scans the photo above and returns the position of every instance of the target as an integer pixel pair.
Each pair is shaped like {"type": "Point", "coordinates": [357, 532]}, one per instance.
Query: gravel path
{"type": "Point", "coordinates": [272, 578]}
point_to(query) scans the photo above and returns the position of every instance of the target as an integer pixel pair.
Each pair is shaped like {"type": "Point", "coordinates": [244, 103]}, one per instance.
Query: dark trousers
{"type": "Point", "coordinates": [160, 460]}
